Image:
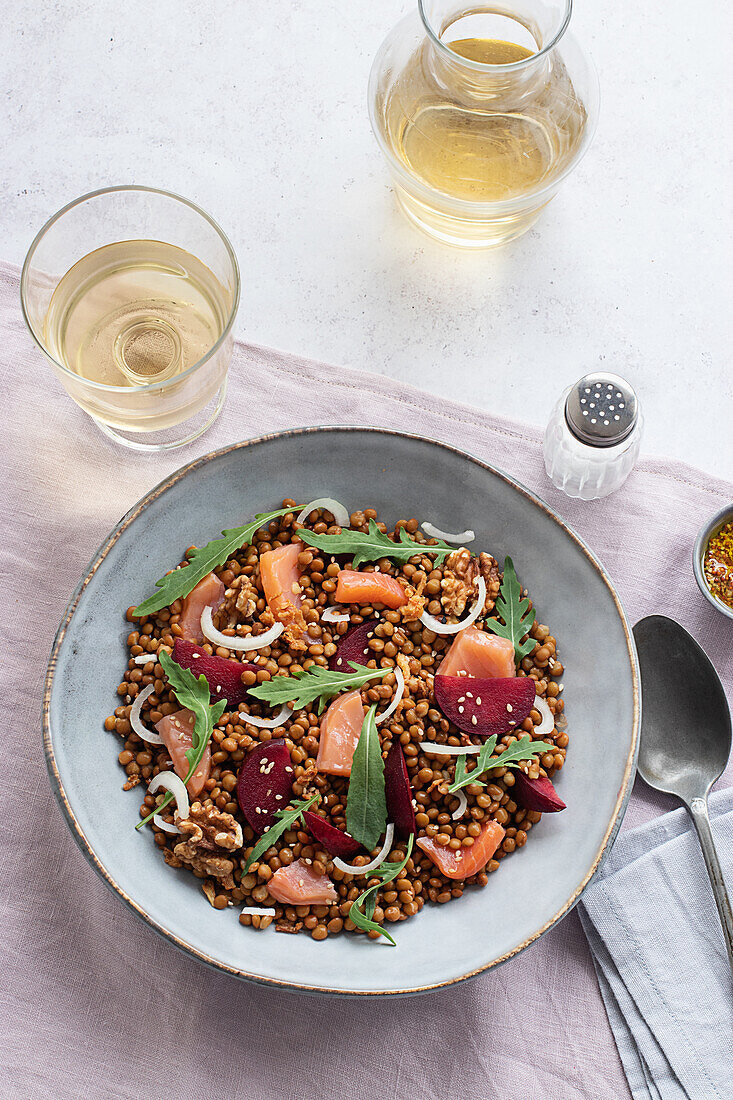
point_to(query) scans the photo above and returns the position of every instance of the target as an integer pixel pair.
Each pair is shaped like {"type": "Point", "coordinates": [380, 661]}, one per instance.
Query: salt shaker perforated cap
{"type": "Point", "coordinates": [601, 410]}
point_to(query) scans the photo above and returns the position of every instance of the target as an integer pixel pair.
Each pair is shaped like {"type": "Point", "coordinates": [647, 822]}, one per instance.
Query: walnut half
{"type": "Point", "coordinates": [460, 574]}
{"type": "Point", "coordinates": [207, 834]}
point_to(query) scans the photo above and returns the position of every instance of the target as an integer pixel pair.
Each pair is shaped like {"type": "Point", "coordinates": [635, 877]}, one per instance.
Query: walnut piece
{"type": "Point", "coordinates": [460, 574]}
{"type": "Point", "coordinates": [247, 597]}
{"type": "Point", "coordinates": [491, 573]}
{"type": "Point", "coordinates": [240, 602]}
{"type": "Point", "coordinates": [415, 605]}
{"type": "Point", "coordinates": [207, 834]}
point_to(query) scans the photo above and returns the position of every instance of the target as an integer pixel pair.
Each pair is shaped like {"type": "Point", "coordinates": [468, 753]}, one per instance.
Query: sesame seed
{"type": "Point", "coordinates": [474, 720]}
{"type": "Point", "coordinates": [509, 707]}
{"type": "Point", "coordinates": [460, 710]}
{"type": "Point", "coordinates": [478, 701]}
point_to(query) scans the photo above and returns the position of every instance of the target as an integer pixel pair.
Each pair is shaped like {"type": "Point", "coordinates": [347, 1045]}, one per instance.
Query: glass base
{"type": "Point", "coordinates": [464, 233]}
{"type": "Point", "coordinates": [169, 438]}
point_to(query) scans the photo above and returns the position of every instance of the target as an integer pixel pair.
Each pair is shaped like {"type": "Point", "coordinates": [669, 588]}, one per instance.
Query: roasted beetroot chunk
{"type": "Point", "coordinates": [265, 783]}
{"type": "Point", "coordinates": [399, 792]}
{"type": "Point", "coordinates": [223, 675]}
{"type": "Point", "coordinates": [485, 707]}
{"type": "Point", "coordinates": [353, 647]}
{"type": "Point", "coordinates": [536, 794]}
{"type": "Point", "coordinates": [332, 839]}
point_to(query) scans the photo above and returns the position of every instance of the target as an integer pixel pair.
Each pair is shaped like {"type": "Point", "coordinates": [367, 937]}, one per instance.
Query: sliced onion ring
{"type": "Point", "coordinates": [210, 632]}
{"type": "Point", "coordinates": [437, 627]}
{"type": "Point", "coordinates": [435, 533]}
{"type": "Point", "coordinates": [257, 911]}
{"type": "Point", "coordinates": [332, 615]}
{"type": "Point", "coordinates": [141, 730]}
{"type": "Point", "coordinates": [145, 658]}
{"type": "Point", "coordinates": [462, 805]}
{"type": "Point", "coordinates": [173, 783]}
{"type": "Point", "coordinates": [447, 750]}
{"type": "Point", "coordinates": [337, 510]}
{"type": "Point", "coordinates": [352, 869]}
{"type": "Point", "coordinates": [399, 691]}
{"type": "Point", "coordinates": [278, 719]}
{"type": "Point", "coordinates": [547, 724]}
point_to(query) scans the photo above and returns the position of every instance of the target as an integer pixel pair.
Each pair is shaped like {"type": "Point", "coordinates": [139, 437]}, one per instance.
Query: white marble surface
{"type": "Point", "coordinates": [257, 110]}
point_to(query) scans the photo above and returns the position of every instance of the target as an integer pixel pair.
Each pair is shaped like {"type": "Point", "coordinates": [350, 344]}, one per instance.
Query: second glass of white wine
{"type": "Point", "coordinates": [131, 294]}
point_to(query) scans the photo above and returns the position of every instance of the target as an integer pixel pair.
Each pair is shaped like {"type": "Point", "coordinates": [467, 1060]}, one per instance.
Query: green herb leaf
{"type": "Point", "coordinates": [462, 777]}
{"type": "Point", "coordinates": [176, 585]}
{"type": "Point", "coordinates": [374, 545]}
{"type": "Point", "coordinates": [194, 694]}
{"type": "Point", "coordinates": [366, 805]}
{"type": "Point", "coordinates": [314, 683]}
{"type": "Point", "coordinates": [514, 611]}
{"type": "Point", "coordinates": [285, 820]}
{"type": "Point", "coordinates": [386, 872]}
{"type": "Point", "coordinates": [524, 749]}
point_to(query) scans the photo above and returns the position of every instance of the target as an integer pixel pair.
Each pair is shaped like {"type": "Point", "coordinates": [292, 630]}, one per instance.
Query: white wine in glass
{"type": "Point", "coordinates": [139, 327]}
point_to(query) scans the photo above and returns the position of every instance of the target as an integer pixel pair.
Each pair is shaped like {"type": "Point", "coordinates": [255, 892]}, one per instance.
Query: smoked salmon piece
{"type": "Point", "coordinates": [299, 884]}
{"type": "Point", "coordinates": [209, 592]}
{"type": "Point", "coordinates": [280, 576]}
{"type": "Point", "coordinates": [466, 861]}
{"type": "Point", "coordinates": [353, 587]}
{"type": "Point", "coordinates": [177, 733]}
{"type": "Point", "coordinates": [475, 653]}
{"type": "Point", "coordinates": [340, 729]}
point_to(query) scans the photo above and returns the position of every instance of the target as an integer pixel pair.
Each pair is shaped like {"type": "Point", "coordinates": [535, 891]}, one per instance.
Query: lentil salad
{"type": "Point", "coordinates": [296, 876]}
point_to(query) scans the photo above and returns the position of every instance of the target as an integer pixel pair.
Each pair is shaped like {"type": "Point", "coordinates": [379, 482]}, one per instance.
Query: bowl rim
{"type": "Point", "coordinates": [709, 528]}
{"type": "Point", "coordinates": [91, 856]}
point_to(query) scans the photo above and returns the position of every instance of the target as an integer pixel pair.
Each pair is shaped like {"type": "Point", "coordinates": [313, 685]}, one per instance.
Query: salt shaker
{"type": "Point", "coordinates": [592, 440]}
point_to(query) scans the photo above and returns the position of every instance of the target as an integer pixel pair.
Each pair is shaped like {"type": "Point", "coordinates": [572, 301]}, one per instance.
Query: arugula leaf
{"type": "Point", "coordinates": [366, 804]}
{"type": "Point", "coordinates": [515, 613]}
{"type": "Point", "coordinates": [482, 763]}
{"type": "Point", "coordinates": [194, 694]}
{"type": "Point", "coordinates": [315, 682]}
{"type": "Point", "coordinates": [285, 819]}
{"type": "Point", "coordinates": [387, 872]}
{"type": "Point", "coordinates": [175, 585]}
{"type": "Point", "coordinates": [374, 545]}
{"type": "Point", "coordinates": [524, 749]}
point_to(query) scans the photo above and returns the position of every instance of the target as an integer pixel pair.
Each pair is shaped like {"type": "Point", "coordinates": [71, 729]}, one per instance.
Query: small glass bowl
{"type": "Point", "coordinates": [725, 515]}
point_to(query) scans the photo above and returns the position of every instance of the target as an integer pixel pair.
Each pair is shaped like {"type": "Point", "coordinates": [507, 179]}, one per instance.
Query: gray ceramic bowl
{"type": "Point", "coordinates": [401, 476]}
{"type": "Point", "coordinates": [725, 515]}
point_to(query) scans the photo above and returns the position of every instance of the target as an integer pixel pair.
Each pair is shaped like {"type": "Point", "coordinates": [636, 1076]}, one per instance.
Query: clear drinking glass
{"type": "Point", "coordinates": [160, 280]}
{"type": "Point", "coordinates": [481, 112]}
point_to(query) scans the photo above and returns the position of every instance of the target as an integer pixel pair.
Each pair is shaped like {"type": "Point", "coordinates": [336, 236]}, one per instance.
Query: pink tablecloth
{"type": "Point", "coordinates": [94, 1004]}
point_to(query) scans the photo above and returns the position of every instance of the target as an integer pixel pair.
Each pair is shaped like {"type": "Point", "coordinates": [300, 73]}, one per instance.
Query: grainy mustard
{"type": "Point", "coordinates": [718, 564]}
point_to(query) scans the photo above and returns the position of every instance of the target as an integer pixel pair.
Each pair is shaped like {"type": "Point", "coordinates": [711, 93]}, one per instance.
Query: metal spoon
{"type": "Point", "coordinates": [685, 733]}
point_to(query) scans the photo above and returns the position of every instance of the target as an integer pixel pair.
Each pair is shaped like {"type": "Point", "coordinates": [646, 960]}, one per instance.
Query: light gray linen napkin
{"type": "Point", "coordinates": [660, 957]}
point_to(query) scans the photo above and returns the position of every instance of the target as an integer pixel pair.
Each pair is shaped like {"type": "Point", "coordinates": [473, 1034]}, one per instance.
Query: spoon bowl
{"type": "Point", "coordinates": [685, 733]}
{"type": "Point", "coordinates": [686, 724]}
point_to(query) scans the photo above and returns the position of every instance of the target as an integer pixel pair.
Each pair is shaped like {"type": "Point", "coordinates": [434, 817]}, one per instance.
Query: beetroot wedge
{"type": "Point", "coordinates": [536, 794]}
{"type": "Point", "coordinates": [265, 783]}
{"type": "Point", "coordinates": [223, 675]}
{"type": "Point", "coordinates": [483, 706]}
{"type": "Point", "coordinates": [353, 647]}
{"type": "Point", "coordinates": [332, 839]}
{"type": "Point", "coordinates": [399, 792]}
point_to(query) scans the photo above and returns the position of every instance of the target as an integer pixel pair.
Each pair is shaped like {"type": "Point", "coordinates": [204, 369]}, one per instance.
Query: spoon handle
{"type": "Point", "coordinates": [698, 808]}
